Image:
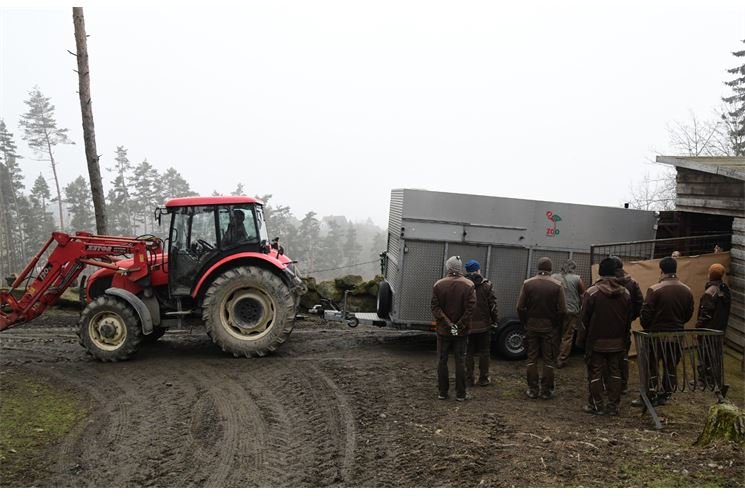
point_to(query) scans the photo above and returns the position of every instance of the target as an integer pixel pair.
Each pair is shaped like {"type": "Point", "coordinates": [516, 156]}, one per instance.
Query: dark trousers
{"type": "Point", "coordinates": [540, 345]}
{"type": "Point", "coordinates": [478, 344]}
{"type": "Point", "coordinates": [598, 364]}
{"type": "Point", "coordinates": [625, 366]}
{"type": "Point", "coordinates": [456, 345]}
{"type": "Point", "coordinates": [669, 353]}
{"type": "Point", "coordinates": [563, 345]}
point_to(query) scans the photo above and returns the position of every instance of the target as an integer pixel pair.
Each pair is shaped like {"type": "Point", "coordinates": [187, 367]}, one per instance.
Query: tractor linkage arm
{"type": "Point", "coordinates": [68, 258]}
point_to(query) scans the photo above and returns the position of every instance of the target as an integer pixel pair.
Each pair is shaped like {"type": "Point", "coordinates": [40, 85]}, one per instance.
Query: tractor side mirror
{"type": "Point", "coordinates": [158, 214]}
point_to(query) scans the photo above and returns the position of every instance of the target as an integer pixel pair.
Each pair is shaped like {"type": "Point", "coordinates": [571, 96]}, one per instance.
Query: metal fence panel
{"type": "Point", "coordinates": [468, 252]}
{"type": "Point", "coordinates": [557, 258]}
{"type": "Point", "coordinates": [423, 266]}
{"type": "Point", "coordinates": [584, 267]}
{"type": "Point", "coordinates": [507, 269]}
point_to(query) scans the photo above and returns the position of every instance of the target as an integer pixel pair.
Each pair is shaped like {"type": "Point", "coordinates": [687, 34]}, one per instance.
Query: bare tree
{"type": "Point", "coordinates": [86, 108]}
{"type": "Point", "coordinates": [654, 192]}
{"type": "Point", "coordinates": [696, 137]}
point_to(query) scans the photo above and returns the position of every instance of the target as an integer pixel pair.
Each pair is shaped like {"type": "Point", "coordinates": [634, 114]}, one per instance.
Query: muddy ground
{"type": "Point", "coordinates": [342, 407]}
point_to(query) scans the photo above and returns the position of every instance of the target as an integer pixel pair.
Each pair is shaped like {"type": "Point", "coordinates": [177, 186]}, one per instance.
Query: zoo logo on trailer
{"type": "Point", "coordinates": [552, 231]}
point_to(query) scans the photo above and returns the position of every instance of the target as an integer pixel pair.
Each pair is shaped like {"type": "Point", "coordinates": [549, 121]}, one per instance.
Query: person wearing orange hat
{"type": "Point", "coordinates": [713, 313]}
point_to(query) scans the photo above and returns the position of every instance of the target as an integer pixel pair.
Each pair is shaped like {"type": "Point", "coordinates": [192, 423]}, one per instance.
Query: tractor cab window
{"type": "Point", "coordinates": [263, 234]}
{"type": "Point", "coordinates": [237, 226]}
{"type": "Point", "coordinates": [193, 241]}
{"type": "Point", "coordinates": [202, 237]}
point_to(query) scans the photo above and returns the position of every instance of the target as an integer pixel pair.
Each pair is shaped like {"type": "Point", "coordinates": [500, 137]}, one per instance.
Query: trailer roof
{"type": "Point", "coordinates": [192, 201]}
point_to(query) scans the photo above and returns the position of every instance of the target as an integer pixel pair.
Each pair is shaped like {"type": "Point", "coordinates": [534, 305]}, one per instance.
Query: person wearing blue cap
{"type": "Point", "coordinates": [483, 319]}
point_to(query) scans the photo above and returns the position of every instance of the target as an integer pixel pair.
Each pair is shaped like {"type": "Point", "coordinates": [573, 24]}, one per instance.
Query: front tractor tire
{"type": "Point", "coordinates": [110, 329]}
{"type": "Point", "coordinates": [248, 311]}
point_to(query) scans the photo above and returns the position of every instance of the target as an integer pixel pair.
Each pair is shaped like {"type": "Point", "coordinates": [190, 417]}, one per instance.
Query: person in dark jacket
{"type": "Point", "coordinates": [713, 313]}
{"type": "Point", "coordinates": [667, 307]}
{"type": "Point", "coordinates": [637, 299]}
{"type": "Point", "coordinates": [606, 315]}
{"type": "Point", "coordinates": [574, 288]}
{"type": "Point", "coordinates": [541, 308]}
{"type": "Point", "coordinates": [483, 319]}
{"type": "Point", "coordinates": [453, 301]}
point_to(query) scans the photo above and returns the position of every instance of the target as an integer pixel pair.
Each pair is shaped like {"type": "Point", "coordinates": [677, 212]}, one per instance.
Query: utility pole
{"type": "Point", "coordinates": [86, 108]}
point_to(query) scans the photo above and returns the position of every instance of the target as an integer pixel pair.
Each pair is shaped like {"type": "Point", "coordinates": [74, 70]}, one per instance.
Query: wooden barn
{"type": "Point", "coordinates": [711, 197]}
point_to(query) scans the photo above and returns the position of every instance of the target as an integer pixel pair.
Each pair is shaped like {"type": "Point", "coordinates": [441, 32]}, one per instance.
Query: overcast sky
{"type": "Point", "coordinates": [330, 105]}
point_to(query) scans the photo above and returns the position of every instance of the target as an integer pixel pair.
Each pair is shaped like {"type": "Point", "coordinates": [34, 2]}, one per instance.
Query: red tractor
{"type": "Point", "coordinates": [219, 264]}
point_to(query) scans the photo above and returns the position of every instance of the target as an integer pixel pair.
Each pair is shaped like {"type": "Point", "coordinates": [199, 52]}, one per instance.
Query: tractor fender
{"type": "Point", "coordinates": [137, 304]}
{"type": "Point", "coordinates": [254, 256]}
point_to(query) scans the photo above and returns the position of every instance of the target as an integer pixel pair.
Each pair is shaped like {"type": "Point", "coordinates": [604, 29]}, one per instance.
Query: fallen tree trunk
{"type": "Point", "coordinates": [724, 422]}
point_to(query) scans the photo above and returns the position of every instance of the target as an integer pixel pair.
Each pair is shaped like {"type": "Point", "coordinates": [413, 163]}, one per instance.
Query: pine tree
{"type": "Point", "coordinates": [41, 133]}
{"type": "Point", "coordinates": [12, 191]}
{"type": "Point", "coordinates": [78, 197]}
{"type": "Point", "coordinates": [734, 116]}
{"type": "Point", "coordinates": [38, 223]}
{"type": "Point", "coordinates": [43, 220]}
{"type": "Point", "coordinates": [308, 234]}
{"type": "Point", "coordinates": [351, 246]}
{"type": "Point", "coordinates": [239, 190]}
{"type": "Point", "coordinates": [281, 224]}
{"type": "Point", "coordinates": [331, 254]}
{"type": "Point", "coordinates": [173, 185]}
{"type": "Point", "coordinates": [119, 208]}
{"type": "Point", "coordinates": [118, 198]}
{"type": "Point", "coordinates": [145, 194]}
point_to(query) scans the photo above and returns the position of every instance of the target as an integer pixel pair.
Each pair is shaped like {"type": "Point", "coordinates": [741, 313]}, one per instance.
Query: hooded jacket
{"type": "Point", "coordinates": [485, 312]}
{"type": "Point", "coordinates": [637, 298]}
{"type": "Point", "coordinates": [541, 305]}
{"type": "Point", "coordinates": [453, 299]}
{"type": "Point", "coordinates": [606, 315]}
{"type": "Point", "coordinates": [667, 306]}
{"type": "Point", "coordinates": [713, 311]}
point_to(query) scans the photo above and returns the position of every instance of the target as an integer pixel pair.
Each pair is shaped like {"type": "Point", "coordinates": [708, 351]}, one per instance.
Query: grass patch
{"type": "Point", "coordinates": [34, 414]}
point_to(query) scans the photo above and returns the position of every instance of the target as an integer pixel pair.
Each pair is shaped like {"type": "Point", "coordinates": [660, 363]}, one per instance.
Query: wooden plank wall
{"type": "Point", "coordinates": [720, 195]}
{"type": "Point", "coordinates": [709, 193]}
{"type": "Point", "coordinates": [736, 328]}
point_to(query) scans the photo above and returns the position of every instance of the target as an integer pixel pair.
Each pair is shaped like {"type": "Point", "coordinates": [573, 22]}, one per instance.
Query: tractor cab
{"type": "Point", "coordinates": [206, 229]}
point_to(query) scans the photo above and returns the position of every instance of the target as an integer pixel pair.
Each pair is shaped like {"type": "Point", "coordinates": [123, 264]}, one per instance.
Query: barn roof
{"type": "Point", "coordinates": [733, 167]}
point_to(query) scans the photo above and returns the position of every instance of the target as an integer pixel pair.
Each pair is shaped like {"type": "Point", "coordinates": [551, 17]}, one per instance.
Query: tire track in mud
{"type": "Point", "coordinates": [125, 440]}
{"type": "Point", "coordinates": [106, 421]}
{"type": "Point", "coordinates": [238, 428]}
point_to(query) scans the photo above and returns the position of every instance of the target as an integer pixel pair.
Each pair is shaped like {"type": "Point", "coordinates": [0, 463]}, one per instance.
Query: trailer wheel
{"type": "Point", "coordinates": [510, 342]}
{"type": "Point", "coordinates": [385, 300]}
{"type": "Point", "coordinates": [109, 329]}
{"type": "Point", "coordinates": [248, 311]}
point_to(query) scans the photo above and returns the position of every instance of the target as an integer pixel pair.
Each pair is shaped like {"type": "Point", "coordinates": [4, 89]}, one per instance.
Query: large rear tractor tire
{"type": "Point", "coordinates": [248, 311]}
{"type": "Point", "coordinates": [110, 329]}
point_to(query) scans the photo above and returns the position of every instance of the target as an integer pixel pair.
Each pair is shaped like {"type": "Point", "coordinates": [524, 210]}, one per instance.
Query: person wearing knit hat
{"type": "Point", "coordinates": [574, 288]}
{"type": "Point", "coordinates": [484, 318]}
{"type": "Point", "coordinates": [716, 272]}
{"type": "Point", "coordinates": [713, 313]}
{"type": "Point", "coordinates": [453, 301]}
{"type": "Point", "coordinates": [541, 308]}
{"type": "Point", "coordinates": [454, 265]}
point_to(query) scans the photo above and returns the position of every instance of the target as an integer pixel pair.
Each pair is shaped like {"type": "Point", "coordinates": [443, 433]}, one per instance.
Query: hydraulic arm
{"type": "Point", "coordinates": [65, 262]}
